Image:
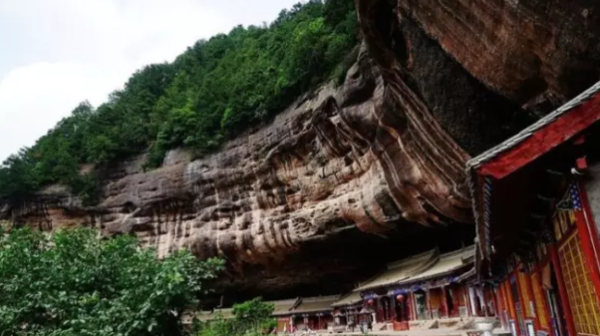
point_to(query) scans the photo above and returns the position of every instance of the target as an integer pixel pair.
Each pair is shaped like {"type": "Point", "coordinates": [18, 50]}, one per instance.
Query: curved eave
{"type": "Point", "coordinates": [560, 126]}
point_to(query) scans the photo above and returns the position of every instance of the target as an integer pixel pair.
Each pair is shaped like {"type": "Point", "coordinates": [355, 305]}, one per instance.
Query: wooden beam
{"type": "Point", "coordinates": [564, 128]}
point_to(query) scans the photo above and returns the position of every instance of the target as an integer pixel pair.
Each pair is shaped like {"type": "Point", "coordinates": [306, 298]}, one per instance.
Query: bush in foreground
{"type": "Point", "coordinates": [251, 318]}
{"type": "Point", "coordinates": [72, 283]}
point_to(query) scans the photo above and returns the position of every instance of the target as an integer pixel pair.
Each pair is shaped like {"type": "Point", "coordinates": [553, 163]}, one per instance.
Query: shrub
{"type": "Point", "coordinates": [73, 283]}
{"type": "Point", "coordinates": [250, 318]}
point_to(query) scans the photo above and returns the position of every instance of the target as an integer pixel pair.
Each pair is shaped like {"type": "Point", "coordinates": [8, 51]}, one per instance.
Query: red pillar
{"type": "Point", "coordinates": [563, 291]}
{"type": "Point", "coordinates": [445, 302]}
{"type": "Point", "coordinates": [494, 293]}
{"type": "Point", "coordinates": [467, 296]}
{"type": "Point", "coordinates": [411, 306]}
{"type": "Point", "coordinates": [484, 298]}
{"type": "Point", "coordinates": [428, 293]}
{"type": "Point", "coordinates": [536, 320]}
{"type": "Point", "coordinates": [513, 307]}
{"type": "Point", "coordinates": [545, 306]}
{"type": "Point", "coordinates": [501, 302]}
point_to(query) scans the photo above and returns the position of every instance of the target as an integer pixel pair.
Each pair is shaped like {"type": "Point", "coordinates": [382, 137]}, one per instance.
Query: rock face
{"type": "Point", "coordinates": [352, 176]}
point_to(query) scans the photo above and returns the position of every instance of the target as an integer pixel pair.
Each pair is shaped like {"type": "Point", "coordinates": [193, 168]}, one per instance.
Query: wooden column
{"type": "Point", "coordinates": [428, 294]}
{"type": "Point", "coordinates": [536, 320]}
{"type": "Point", "coordinates": [485, 300]}
{"type": "Point", "coordinates": [493, 300]}
{"type": "Point", "coordinates": [380, 311]}
{"type": "Point", "coordinates": [545, 304]}
{"type": "Point", "coordinates": [445, 302]}
{"type": "Point", "coordinates": [413, 307]}
{"type": "Point", "coordinates": [472, 301]}
{"type": "Point", "coordinates": [564, 298]}
{"type": "Point", "coordinates": [501, 302]}
{"type": "Point", "coordinates": [467, 300]}
{"type": "Point", "coordinates": [513, 306]}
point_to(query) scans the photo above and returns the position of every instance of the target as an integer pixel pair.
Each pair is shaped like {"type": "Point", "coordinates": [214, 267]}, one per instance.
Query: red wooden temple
{"type": "Point", "coordinates": [427, 286]}
{"type": "Point", "coordinates": [314, 313]}
{"type": "Point", "coordinates": [536, 200]}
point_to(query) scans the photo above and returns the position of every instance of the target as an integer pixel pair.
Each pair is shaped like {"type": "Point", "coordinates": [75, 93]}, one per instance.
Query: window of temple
{"type": "Point", "coordinates": [580, 289]}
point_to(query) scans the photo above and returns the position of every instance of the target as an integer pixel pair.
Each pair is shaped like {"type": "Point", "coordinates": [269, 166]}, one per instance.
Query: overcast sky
{"type": "Point", "coordinates": [57, 53]}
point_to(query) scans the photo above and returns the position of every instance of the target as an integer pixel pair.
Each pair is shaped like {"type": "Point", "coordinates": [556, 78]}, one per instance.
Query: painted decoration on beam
{"type": "Point", "coordinates": [564, 218]}
{"type": "Point", "coordinates": [487, 190]}
{"type": "Point", "coordinates": [370, 296]}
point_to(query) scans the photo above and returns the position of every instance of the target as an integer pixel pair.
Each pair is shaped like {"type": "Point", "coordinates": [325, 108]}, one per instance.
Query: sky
{"type": "Point", "coordinates": [57, 53]}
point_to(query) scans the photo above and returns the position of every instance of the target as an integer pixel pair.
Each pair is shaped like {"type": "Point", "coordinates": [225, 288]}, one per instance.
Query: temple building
{"type": "Point", "coordinates": [219, 313]}
{"type": "Point", "coordinates": [314, 313]}
{"type": "Point", "coordinates": [536, 200]}
{"type": "Point", "coordinates": [428, 286]}
{"type": "Point", "coordinates": [282, 313]}
{"type": "Point", "coordinates": [347, 310]}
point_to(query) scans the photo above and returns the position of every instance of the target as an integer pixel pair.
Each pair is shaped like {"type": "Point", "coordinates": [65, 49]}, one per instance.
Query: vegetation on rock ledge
{"type": "Point", "coordinates": [210, 93]}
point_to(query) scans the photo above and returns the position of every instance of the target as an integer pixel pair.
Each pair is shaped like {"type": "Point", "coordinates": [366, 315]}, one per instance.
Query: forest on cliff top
{"type": "Point", "coordinates": [212, 92]}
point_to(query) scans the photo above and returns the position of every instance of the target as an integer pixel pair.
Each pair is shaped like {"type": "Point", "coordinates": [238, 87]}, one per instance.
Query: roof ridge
{"type": "Point", "coordinates": [322, 297]}
{"type": "Point", "coordinates": [398, 263]}
{"type": "Point", "coordinates": [528, 131]}
{"type": "Point", "coordinates": [427, 265]}
{"type": "Point", "coordinates": [466, 249]}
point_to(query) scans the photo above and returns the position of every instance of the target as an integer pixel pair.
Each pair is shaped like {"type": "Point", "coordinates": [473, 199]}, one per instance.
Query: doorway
{"type": "Point", "coordinates": [557, 316]}
{"type": "Point", "coordinates": [421, 305]}
{"type": "Point", "coordinates": [451, 306]}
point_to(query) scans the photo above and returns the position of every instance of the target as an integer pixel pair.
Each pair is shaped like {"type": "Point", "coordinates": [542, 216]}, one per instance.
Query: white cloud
{"type": "Point", "coordinates": [60, 52]}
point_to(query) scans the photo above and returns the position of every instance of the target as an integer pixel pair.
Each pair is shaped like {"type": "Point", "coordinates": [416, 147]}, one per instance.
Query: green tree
{"type": "Point", "coordinates": [250, 318]}
{"type": "Point", "coordinates": [212, 92]}
{"type": "Point", "coordinates": [73, 283]}
{"type": "Point", "coordinates": [17, 177]}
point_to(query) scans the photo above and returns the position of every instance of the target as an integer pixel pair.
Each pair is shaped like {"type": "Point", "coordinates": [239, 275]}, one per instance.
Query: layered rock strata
{"type": "Point", "coordinates": [350, 177]}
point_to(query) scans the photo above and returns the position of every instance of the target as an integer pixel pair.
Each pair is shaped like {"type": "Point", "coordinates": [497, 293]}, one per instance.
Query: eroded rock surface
{"type": "Point", "coordinates": [352, 176]}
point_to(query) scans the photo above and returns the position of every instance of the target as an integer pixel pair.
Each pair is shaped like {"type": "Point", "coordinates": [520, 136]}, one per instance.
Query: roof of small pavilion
{"type": "Point", "coordinates": [447, 264]}
{"type": "Point", "coordinates": [401, 270]}
{"type": "Point", "coordinates": [225, 313]}
{"type": "Point", "coordinates": [349, 299]}
{"type": "Point", "coordinates": [529, 145]}
{"type": "Point", "coordinates": [422, 267]}
{"type": "Point", "coordinates": [284, 307]}
{"type": "Point", "coordinates": [315, 304]}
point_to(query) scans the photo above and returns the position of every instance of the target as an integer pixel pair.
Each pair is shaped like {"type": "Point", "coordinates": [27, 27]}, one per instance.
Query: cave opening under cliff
{"type": "Point", "coordinates": [336, 265]}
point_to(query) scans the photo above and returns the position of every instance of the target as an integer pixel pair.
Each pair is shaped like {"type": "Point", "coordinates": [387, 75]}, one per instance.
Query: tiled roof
{"type": "Point", "coordinates": [348, 299]}
{"type": "Point", "coordinates": [316, 304]}
{"type": "Point", "coordinates": [446, 264]}
{"type": "Point", "coordinates": [283, 307]}
{"type": "Point", "coordinates": [400, 270]}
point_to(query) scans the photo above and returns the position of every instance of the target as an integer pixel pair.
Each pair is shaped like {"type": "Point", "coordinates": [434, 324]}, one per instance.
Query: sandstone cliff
{"type": "Point", "coordinates": [352, 176]}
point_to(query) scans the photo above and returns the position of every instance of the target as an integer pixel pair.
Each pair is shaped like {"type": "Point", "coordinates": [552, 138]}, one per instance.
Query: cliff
{"type": "Point", "coordinates": [350, 177]}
